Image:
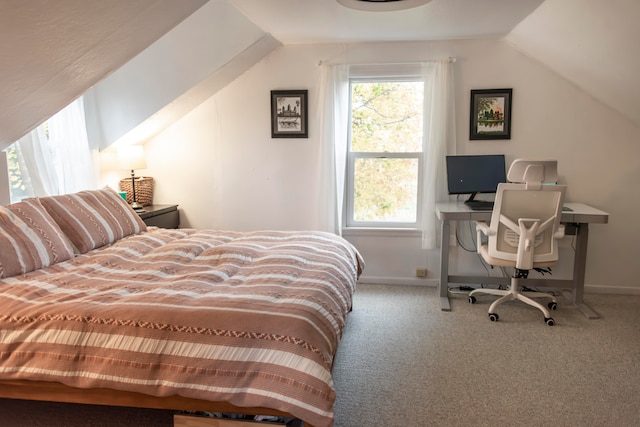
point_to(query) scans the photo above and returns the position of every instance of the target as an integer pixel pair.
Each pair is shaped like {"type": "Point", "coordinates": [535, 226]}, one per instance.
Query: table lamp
{"type": "Point", "coordinates": [131, 157]}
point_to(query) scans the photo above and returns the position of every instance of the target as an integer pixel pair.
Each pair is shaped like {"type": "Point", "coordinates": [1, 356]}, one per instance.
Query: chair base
{"type": "Point", "coordinates": [514, 293]}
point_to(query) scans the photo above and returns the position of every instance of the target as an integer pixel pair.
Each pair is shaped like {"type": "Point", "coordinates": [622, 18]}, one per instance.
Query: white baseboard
{"type": "Point", "coordinates": [412, 281]}
{"type": "Point", "coordinates": [415, 281]}
{"type": "Point", "coordinates": [612, 290]}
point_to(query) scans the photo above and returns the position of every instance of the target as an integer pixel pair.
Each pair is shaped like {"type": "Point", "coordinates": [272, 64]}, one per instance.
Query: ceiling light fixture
{"type": "Point", "coordinates": [382, 5]}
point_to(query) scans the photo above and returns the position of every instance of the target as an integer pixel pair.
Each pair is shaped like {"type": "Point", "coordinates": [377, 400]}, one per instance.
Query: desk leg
{"type": "Point", "coordinates": [443, 284]}
{"type": "Point", "coordinates": [579, 267]}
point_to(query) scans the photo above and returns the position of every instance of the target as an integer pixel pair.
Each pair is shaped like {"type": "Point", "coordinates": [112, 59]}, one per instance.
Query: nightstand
{"type": "Point", "coordinates": [163, 216]}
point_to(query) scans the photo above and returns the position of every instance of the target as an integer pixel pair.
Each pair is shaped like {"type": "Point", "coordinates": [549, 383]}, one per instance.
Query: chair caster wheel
{"type": "Point", "coordinates": [549, 321]}
{"type": "Point", "coordinates": [493, 317]}
{"type": "Point", "coordinates": [553, 305]}
{"type": "Point", "coordinates": [472, 300]}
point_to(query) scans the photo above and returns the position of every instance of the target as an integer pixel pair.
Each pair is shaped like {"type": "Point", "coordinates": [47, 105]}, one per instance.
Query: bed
{"type": "Point", "coordinates": [97, 308]}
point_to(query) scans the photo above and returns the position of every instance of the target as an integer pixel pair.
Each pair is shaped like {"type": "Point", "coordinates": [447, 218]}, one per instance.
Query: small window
{"type": "Point", "coordinates": [384, 166]}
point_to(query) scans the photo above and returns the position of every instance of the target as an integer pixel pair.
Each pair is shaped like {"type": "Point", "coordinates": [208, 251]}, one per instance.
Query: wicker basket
{"type": "Point", "coordinates": [144, 190]}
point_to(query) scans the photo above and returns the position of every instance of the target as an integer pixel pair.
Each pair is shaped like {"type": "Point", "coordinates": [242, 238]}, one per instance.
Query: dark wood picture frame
{"type": "Point", "coordinates": [289, 114]}
{"type": "Point", "coordinates": [490, 116]}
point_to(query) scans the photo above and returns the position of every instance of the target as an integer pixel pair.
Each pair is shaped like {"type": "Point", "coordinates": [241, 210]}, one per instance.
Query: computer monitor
{"type": "Point", "coordinates": [475, 174]}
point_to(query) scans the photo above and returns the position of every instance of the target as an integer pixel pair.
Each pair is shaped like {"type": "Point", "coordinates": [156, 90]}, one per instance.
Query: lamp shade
{"type": "Point", "coordinates": [131, 157]}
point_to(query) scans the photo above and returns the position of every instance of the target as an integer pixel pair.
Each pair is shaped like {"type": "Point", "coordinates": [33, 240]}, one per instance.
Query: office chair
{"type": "Point", "coordinates": [524, 230]}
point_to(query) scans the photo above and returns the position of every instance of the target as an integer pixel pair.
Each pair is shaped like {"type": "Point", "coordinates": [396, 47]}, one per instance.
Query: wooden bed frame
{"type": "Point", "coordinates": [58, 392]}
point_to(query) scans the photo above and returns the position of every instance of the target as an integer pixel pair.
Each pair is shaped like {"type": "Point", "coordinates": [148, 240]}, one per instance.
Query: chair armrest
{"type": "Point", "coordinates": [482, 228]}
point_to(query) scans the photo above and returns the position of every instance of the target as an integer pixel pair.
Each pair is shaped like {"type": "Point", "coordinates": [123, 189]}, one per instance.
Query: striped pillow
{"type": "Point", "coordinates": [93, 218]}
{"type": "Point", "coordinates": [30, 239]}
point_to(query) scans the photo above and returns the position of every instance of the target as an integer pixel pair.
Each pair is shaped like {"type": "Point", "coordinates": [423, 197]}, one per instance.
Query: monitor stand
{"type": "Point", "coordinates": [478, 205]}
{"type": "Point", "coordinates": [471, 199]}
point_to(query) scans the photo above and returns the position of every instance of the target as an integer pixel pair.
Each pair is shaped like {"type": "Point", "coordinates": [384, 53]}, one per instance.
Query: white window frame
{"type": "Point", "coordinates": [406, 73]}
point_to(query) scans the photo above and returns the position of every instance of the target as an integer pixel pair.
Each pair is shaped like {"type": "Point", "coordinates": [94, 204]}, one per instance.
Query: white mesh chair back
{"type": "Point", "coordinates": [533, 215]}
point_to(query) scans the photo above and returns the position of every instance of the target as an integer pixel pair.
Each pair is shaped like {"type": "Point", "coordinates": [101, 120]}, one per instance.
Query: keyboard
{"type": "Point", "coordinates": [480, 205]}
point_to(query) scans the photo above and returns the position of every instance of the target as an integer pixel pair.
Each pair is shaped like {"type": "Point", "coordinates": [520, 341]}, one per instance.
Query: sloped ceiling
{"type": "Point", "coordinates": [53, 51]}
{"type": "Point", "coordinates": [592, 43]}
{"type": "Point", "coordinates": [326, 21]}
{"type": "Point", "coordinates": [174, 75]}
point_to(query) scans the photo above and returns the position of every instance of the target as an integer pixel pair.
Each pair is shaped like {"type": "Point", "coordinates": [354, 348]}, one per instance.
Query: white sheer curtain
{"type": "Point", "coordinates": [334, 104]}
{"type": "Point", "coordinates": [36, 164]}
{"type": "Point", "coordinates": [439, 139]}
{"type": "Point", "coordinates": [75, 165]}
{"type": "Point", "coordinates": [56, 157]}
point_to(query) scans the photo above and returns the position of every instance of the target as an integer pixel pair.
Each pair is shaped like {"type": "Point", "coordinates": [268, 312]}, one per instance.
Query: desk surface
{"type": "Point", "coordinates": [579, 213]}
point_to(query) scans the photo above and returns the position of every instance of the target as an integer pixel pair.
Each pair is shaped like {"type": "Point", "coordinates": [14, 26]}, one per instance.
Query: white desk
{"type": "Point", "coordinates": [576, 223]}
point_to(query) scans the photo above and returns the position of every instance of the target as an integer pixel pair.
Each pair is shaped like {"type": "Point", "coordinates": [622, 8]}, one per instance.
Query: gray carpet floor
{"type": "Point", "coordinates": [403, 362]}
{"type": "Point", "coordinates": [406, 363]}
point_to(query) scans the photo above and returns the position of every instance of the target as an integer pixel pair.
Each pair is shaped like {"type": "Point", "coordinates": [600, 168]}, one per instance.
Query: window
{"type": "Point", "coordinates": [54, 158]}
{"type": "Point", "coordinates": [384, 167]}
{"type": "Point", "coordinates": [20, 155]}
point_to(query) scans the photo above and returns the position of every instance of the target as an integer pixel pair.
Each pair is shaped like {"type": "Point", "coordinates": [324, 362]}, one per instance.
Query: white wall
{"type": "Point", "coordinates": [221, 165]}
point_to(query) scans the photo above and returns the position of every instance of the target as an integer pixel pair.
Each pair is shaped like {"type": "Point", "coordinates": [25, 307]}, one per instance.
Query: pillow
{"type": "Point", "coordinates": [93, 218]}
{"type": "Point", "coordinates": [30, 239]}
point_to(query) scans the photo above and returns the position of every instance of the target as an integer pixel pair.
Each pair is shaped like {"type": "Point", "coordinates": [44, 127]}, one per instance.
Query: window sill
{"type": "Point", "coordinates": [381, 232]}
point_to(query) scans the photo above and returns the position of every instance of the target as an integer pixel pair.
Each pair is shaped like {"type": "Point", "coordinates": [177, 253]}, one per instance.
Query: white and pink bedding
{"type": "Point", "coordinates": [253, 319]}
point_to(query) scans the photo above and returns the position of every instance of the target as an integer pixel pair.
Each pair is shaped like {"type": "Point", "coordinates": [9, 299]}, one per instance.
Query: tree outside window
{"type": "Point", "coordinates": [18, 181]}
{"type": "Point", "coordinates": [385, 153]}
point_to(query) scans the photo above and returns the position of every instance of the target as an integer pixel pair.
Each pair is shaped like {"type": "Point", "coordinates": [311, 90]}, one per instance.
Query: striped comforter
{"type": "Point", "coordinates": [252, 319]}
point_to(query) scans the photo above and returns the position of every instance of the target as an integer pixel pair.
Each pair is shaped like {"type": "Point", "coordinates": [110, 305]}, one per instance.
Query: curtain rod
{"type": "Point", "coordinates": [449, 59]}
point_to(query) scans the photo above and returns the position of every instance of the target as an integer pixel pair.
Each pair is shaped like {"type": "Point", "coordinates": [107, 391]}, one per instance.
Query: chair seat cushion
{"type": "Point", "coordinates": [484, 252]}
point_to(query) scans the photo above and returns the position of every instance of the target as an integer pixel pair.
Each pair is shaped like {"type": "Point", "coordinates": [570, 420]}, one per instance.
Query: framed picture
{"type": "Point", "coordinates": [289, 114]}
{"type": "Point", "coordinates": [490, 114]}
